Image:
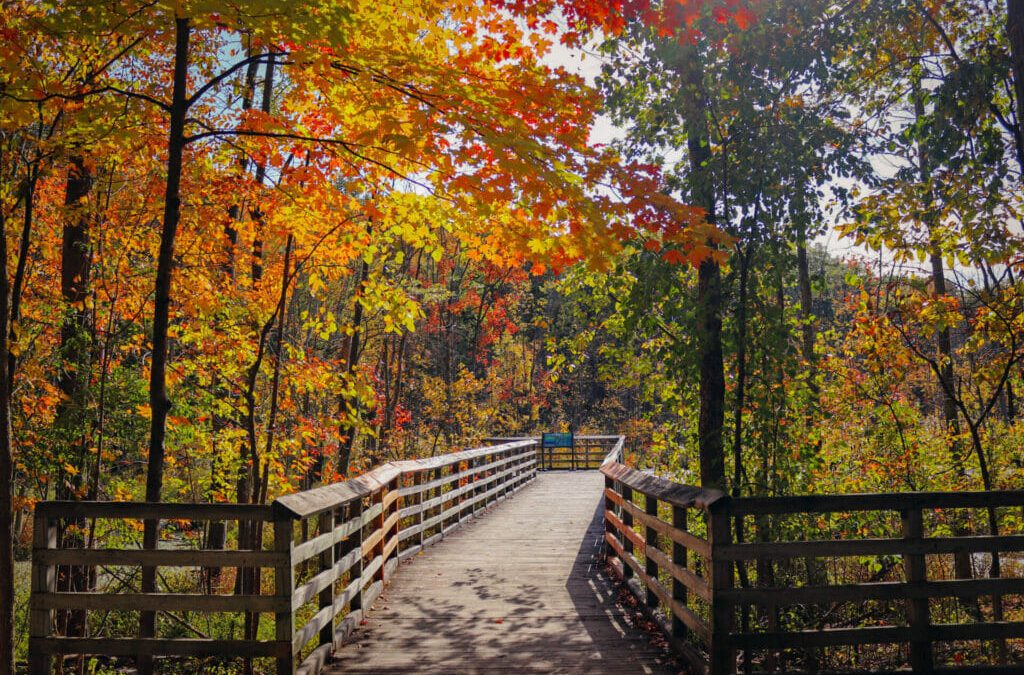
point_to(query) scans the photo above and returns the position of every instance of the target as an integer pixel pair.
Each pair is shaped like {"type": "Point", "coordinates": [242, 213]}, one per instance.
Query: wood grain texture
{"type": "Point", "coordinates": [519, 589]}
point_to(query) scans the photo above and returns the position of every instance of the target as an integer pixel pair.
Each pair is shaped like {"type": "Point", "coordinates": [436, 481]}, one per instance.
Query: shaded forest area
{"type": "Point", "coordinates": [251, 250]}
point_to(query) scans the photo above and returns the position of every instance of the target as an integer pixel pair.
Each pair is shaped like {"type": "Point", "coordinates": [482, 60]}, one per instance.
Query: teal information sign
{"type": "Point", "coordinates": [557, 440]}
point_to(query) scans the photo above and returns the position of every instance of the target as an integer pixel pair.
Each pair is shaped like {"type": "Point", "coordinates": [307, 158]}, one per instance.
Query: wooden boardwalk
{"type": "Point", "coordinates": [518, 589]}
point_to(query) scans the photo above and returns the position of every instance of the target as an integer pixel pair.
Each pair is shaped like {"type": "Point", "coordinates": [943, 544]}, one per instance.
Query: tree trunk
{"type": "Point", "coordinates": [962, 566]}
{"type": "Point", "coordinates": [261, 174]}
{"type": "Point", "coordinates": [348, 406]}
{"type": "Point", "coordinates": [1015, 34]}
{"type": "Point", "coordinates": [159, 401]}
{"type": "Point", "coordinates": [741, 373]}
{"type": "Point", "coordinates": [6, 474]}
{"type": "Point", "coordinates": [75, 347]}
{"type": "Point", "coordinates": [709, 278]}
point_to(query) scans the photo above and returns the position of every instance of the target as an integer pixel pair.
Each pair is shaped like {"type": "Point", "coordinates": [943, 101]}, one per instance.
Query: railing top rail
{"type": "Point", "coordinates": [687, 496]}
{"type": "Point", "coordinates": [311, 502]}
{"type": "Point", "coordinates": [603, 438]}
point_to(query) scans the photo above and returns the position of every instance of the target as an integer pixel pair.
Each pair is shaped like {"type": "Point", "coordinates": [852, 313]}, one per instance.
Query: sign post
{"type": "Point", "coordinates": [551, 441]}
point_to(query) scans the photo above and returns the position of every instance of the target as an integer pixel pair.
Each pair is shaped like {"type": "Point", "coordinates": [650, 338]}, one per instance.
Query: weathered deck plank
{"type": "Point", "coordinates": [518, 590]}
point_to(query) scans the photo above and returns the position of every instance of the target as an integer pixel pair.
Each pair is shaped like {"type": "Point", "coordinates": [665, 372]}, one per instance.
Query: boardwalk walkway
{"type": "Point", "coordinates": [518, 590]}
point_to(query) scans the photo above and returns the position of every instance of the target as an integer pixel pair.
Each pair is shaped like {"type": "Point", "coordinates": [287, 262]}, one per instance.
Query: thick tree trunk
{"type": "Point", "coordinates": [75, 348]}
{"type": "Point", "coordinates": [709, 278]}
{"type": "Point", "coordinates": [159, 401]}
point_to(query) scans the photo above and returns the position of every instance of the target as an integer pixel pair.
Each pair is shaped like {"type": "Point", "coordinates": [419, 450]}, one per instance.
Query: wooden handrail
{"type": "Point", "coordinates": [355, 533]}
{"type": "Point", "coordinates": [644, 548]}
{"type": "Point", "coordinates": [335, 547]}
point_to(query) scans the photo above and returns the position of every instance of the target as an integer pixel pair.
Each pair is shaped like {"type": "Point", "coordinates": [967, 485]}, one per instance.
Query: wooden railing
{"type": "Point", "coordinates": [674, 546]}
{"type": "Point", "coordinates": [333, 548]}
{"type": "Point", "coordinates": [587, 453]}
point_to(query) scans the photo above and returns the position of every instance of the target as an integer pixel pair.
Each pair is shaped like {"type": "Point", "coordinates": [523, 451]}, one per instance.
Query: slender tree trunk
{"type": "Point", "coordinates": [1015, 33]}
{"type": "Point", "coordinates": [261, 173]}
{"type": "Point", "coordinates": [235, 210]}
{"type": "Point", "coordinates": [348, 406]}
{"type": "Point", "coordinates": [962, 566]}
{"type": "Point", "coordinates": [159, 401]}
{"type": "Point", "coordinates": [6, 474]}
{"type": "Point", "coordinates": [217, 532]}
{"type": "Point", "coordinates": [741, 372]}
{"type": "Point", "coordinates": [709, 279]}
{"type": "Point", "coordinates": [806, 309]}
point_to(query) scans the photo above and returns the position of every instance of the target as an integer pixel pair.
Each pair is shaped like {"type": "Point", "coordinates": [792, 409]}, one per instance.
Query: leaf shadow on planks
{"type": "Point", "coordinates": [519, 589]}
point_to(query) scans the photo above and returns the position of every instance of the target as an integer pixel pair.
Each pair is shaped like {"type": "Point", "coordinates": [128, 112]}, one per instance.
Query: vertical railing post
{"type": "Point", "coordinates": [392, 511]}
{"type": "Point", "coordinates": [651, 537]}
{"type": "Point", "coordinates": [435, 477]}
{"type": "Point", "coordinates": [609, 507]}
{"type": "Point", "coordinates": [355, 543]}
{"type": "Point", "coordinates": [508, 480]}
{"type": "Point", "coordinates": [679, 558]}
{"type": "Point", "coordinates": [627, 520]}
{"type": "Point", "coordinates": [917, 608]}
{"type": "Point", "coordinates": [477, 479]}
{"type": "Point", "coordinates": [378, 526]}
{"type": "Point", "coordinates": [44, 580]}
{"type": "Point", "coordinates": [417, 480]}
{"type": "Point", "coordinates": [284, 582]}
{"type": "Point", "coordinates": [453, 488]}
{"type": "Point", "coordinates": [328, 520]}
{"type": "Point", "coordinates": [719, 534]}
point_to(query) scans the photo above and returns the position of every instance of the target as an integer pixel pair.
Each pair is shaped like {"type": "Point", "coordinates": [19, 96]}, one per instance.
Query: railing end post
{"type": "Point", "coordinates": [722, 656]}
{"type": "Point", "coordinates": [284, 581]}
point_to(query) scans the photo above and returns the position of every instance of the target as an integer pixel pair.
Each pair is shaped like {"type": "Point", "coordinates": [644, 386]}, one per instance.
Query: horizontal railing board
{"type": "Point", "coordinates": [320, 543]}
{"type": "Point", "coordinates": [826, 637]}
{"type": "Point", "coordinates": [153, 511]}
{"type": "Point", "coordinates": [886, 590]}
{"type": "Point", "coordinates": [994, 630]}
{"type": "Point", "coordinates": [875, 546]}
{"type": "Point", "coordinates": [158, 647]}
{"type": "Point", "coordinates": [159, 557]}
{"type": "Point", "coordinates": [694, 660]}
{"type": "Point", "coordinates": [312, 502]}
{"type": "Point", "coordinates": [310, 589]}
{"type": "Point", "coordinates": [453, 494]}
{"type": "Point", "coordinates": [446, 480]}
{"type": "Point", "coordinates": [312, 627]}
{"type": "Point", "coordinates": [831, 637]}
{"type": "Point", "coordinates": [170, 602]}
{"type": "Point", "coordinates": [378, 534]}
{"type": "Point", "coordinates": [689, 619]}
{"type": "Point", "coordinates": [691, 581]}
{"type": "Point", "coordinates": [893, 501]}
{"type": "Point", "coordinates": [690, 541]}
{"type": "Point", "coordinates": [465, 455]}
